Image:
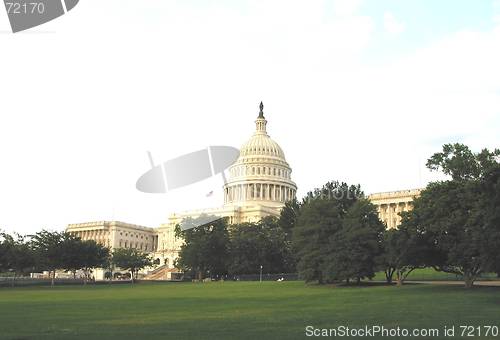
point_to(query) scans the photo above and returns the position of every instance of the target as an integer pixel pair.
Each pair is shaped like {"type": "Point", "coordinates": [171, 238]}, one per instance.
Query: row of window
{"type": "Point", "coordinates": [260, 170]}
{"type": "Point", "coordinates": [132, 235]}
{"type": "Point", "coordinates": [266, 150]}
{"type": "Point", "coordinates": [136, 245]}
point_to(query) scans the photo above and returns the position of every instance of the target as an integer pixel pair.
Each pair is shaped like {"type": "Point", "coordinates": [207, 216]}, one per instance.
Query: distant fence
{"type": "Point", "coordinates": [31, 282]}
{"type": "Point", "coordinates": [265, 277]}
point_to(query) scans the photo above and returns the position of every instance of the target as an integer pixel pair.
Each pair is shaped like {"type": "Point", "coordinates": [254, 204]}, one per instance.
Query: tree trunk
{"type": "Point", "coordinates": [388, 277]}
{"type": "Point", "coordinates": [52, 278]}
{"type": "Point", "coordinates": [132, 276]}
{"type": "Point", "coordinates": [469, 280]}
{"type": "Point", "coordinates": [358, 280]}
{"type": "Point", "coordinates": [399, 277]}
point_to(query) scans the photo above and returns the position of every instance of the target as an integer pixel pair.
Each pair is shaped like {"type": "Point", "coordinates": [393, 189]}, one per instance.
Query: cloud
{"type": "Point", "coordinates": [391, 25]}
{"type": "Point", "coordinates": [343, 8]}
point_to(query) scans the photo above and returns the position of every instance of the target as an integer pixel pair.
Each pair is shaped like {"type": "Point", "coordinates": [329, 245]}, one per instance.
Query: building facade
{"type": "Point", "coordinates": [391, 204]}
{"type": "Point", "coordinates": [259, 185]}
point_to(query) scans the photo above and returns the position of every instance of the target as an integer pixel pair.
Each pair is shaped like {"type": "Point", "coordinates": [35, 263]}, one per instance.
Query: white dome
{"type": "Point", "coordinates": [261, 145]}
{"type": "Point", "coordinates": [261, 172]}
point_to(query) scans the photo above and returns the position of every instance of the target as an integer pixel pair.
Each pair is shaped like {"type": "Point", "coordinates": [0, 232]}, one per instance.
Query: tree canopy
{"type": "Point", "coordinates": [131, 259]}
{"type": "Point", "coordinates": [206, 247]}
{"type": "Point", "coordinates": [461, 215]}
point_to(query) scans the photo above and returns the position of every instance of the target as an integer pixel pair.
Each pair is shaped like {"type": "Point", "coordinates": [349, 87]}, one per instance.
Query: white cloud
{"type": "Point", "coordinates": [343, 8]}
{"type": "Point", "coordinates": [392, 25]}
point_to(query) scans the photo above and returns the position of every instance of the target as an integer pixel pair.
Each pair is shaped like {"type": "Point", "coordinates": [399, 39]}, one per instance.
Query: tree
{"type": "Point", "coordinates": [4, 252]}
{"type": "Point", "coordinates": [206, 247]}
{"type": "Point", "coordinates": [22, 259]}
{"type": "Point", "coordinates": [458, 214]}
{"type": "Point", "coordinates": [72, 251]}
{"type": "Point", "coordinates": [132, 260]}
{"type": "Point", "coordinates": [49, 251]}
{"type": "Point", "coordinates": [288, 217]}
{"type": "Point", "coordinates": [353, 249]}
{"type": "Point", "coordinates": [404, 250]}
{"type": "Point", "coordinates": [109, 266]}
{"type": "Point", "coordinates": [490, 189]}
{"type": "Point", "coordinates": [259, 244]}
{"type": "Point", "coordinates": [93, 255]}
{"type": "Point", "coordinates": [319, 220]}
{"type": "Point", "coordinates": [448, 211]}
{"type": "Point", "coordinates": [458, 161]}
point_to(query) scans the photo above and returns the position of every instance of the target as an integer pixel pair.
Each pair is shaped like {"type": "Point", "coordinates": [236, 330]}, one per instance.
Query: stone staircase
{"type": "Point", "coordinates": [159, 273]}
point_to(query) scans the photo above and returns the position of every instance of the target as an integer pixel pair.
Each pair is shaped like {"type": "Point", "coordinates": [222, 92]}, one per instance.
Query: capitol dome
{"type": "Point", "coordinates": [261, 174]}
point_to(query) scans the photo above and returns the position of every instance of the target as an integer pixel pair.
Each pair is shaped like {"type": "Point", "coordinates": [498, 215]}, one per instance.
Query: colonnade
{"type": "Point", "coordinates": [100, 236]}
{"type": "Point", "coordinates": [258, 191]}
{"type": "Point", "coordinates": [389, 212]}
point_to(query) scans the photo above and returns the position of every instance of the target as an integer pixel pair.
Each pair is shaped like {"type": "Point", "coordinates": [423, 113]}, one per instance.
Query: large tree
{"type": "Point", "coordinates": [459, 162]}
{"type": "Point", "coordinates": [4, 252]}
{"type": "Point", "coordinates": [490, 187]}
{"type": "Point", "coordinates": [206, 247]}
{"type": "Point", "coordinates": [259, 244]}
{"type": "Point", "coordinates": [130, 259]}
{"type": "Point", "coordinates": [455, 213]}
{"type": "Point", "coordinates": [321, 218]}
{"type": "Point", "coordinates": [288, 217]}
{"type": "Point", "coordinates": [72, 253]}
{"type": "Point", "coordinates": [83, 255]}
{"type": "Point", "coordinates": [49, 251]}
{"type": "Point", "coordinates": [405, 249]}
{"type": "Point", "coordinates": [16, 255]}
{"type": "Point", "coordinates": [353, 249]}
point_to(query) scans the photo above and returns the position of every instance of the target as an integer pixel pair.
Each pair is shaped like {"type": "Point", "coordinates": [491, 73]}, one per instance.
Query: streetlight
{"type": "Point", "coordinates": [260, 273]}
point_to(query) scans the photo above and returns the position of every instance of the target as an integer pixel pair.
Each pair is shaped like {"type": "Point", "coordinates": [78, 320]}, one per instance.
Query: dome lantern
{"type": "Point", "coordinates": [261, 122]}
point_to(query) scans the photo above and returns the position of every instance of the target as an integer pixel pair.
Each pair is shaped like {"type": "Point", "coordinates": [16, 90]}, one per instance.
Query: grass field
{"type": "Point", "coordinates": [429, 274]}
{"type": "Point", "coordinates": [234, 310]}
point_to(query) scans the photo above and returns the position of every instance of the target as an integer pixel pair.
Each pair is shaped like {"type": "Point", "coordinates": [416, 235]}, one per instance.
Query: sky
{"type": "Point", "coordinates": [356, 91]}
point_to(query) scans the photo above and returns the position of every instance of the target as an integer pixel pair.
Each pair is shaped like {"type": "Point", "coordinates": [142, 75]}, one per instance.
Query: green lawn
{"type": "Point", "coordinates": [234, 310]}
{"type": "Point", "coordinates": [429, 274]}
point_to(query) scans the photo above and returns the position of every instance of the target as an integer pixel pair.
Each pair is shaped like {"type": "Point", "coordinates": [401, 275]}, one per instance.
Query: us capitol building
{"type": "Point", "coordinates": [259, 184]}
